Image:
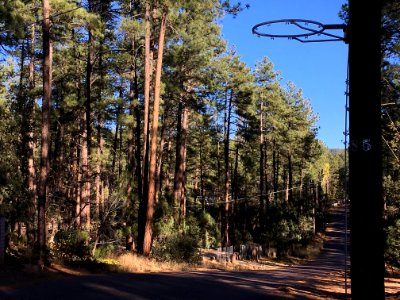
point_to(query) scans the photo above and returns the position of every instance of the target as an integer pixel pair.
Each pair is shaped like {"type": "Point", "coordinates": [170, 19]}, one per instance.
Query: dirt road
{"type": "Point", "coordinates": [322, 278]}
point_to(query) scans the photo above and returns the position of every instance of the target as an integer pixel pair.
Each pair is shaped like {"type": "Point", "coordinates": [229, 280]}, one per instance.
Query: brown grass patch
{"type": "Point", "coordinates": [241, 265]}
{"type": "Point", "coordinates": [130, 262]}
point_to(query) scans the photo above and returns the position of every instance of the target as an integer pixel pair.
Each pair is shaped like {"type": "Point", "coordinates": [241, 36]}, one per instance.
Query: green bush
{"type": "Point", "coordinates": [104, 251]}
{"type": "Point", "coordinates": [209, 233]}
{"type": "Point", "coordinates": [285, 229]}
{"type": "Point", "coordinates": [72, 244]}
{"type": "Point", "coordinates": [392, 253]}
{"type": "Point", "coordinates": [178, 248]}
{"type": "Point", "coordinates": [177, 243]}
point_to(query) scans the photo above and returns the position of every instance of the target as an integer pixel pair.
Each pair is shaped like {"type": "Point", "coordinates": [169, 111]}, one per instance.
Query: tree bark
{"type": "Point", "coordinates": [84, 214]}
{"type": "Point", "coordinates": [227, 124]}
{"type": "Point", "coordinates": [142, 219]}
{"type": "Point", "coordinates": [31, 142]}
{"type": "Point", "coordinates": [266, 178]}
{"type": "Point", "coordinates": [153, 150]}
{"type": "Point", "coordinates": [290, 179]}
{"type": "Point", "coordinates": [59, 157]}
{"type": "Point", "coordinates": [115, 140]}
{"type": "Point", "coordinates": [147, 83]}
{"type": "Point", "coordinates": [180, 162]}
{"type": "Point", "coordinates": [168, 173]}
{"type": "Point", "coordinates": [262, 170]}
{"type": "Point", "coordinates": [134, 153]}
{"type": "Point", "coordinates": [86, 136]}
{"type": "Point", "coordinates": [99, 152]}
{"type": "Point", "coordinates": [99, 138]}
{"type": "Point", "coordinates": [45, 134]}
{"type": "Point", "coordinates": [275, 167]}
{"type": "Point", "coordinates": [203, 202]}
{"type": "Point", "coordinates": [22, 109]}
{"type": "Point", "coordinates": [160, 158]}
{"type": "Point", "coordinates": [138, 169]}
{"type": "Point", "coordinates": [134, 145]}
{"type": "Point", "coordinates": [235, 192]}
{"type": "Point", "coordinates": [76, 147]}
{"type": "Point", "coordinates": [120, 152]}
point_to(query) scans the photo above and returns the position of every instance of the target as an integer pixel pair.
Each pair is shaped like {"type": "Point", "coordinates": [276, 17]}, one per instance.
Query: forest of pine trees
{"type": "Point", "coordinates": [132, 123]}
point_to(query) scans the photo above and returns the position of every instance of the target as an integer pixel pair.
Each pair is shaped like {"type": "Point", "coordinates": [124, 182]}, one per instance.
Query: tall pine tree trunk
{"type": "Point", "coordinates": [131, 144]}
{"type": "Point", "coordinates": [168, 173]}
{"type": "Point", "coordinates": [142, 219]}
{"type": "Point", "coordinates": [227, 124]}
{"type": "Point", "coordinates": [203, 202]}
{"type": "Point", "coordinates": [76, 148]}
{"type": "Point", "coordinates": [185, 128]}
{"type": "Point", "coordinates": [84, 180]}
{"type": "Point", "coordinates": [290, 178]}
{"type": "Point", "coordinates": [148, 232]}
{"type": "Point", "coordinates": [160, 158]}
{"type": "Point", "coordinates": [235, 192]}
{"type": "Point", "coordinates": [31, 142]}
{"type": "Point", "coordinates": [99, 152]}
{"type": "Point", "coordinates": [266, 178]}
{"type": "Point", "coordinates": [301, 185]}
{"type": "Point", "coordinates": [99, 138]}
{"type": "Point", "coordinates": [275, 166]}
{"type": "Point", "coordinates": [59, 157]}
{"type": "Point", "coordinates": [180, 161]}
{"type": "Point", "coordinates": [178, 165]}
{"type": "Point", "coordinates": [286, 178]}
{"type": "Point", "coordinates": [45, 135]}
{"type": "Point", "coordinates": [138, 169]}
{"type": "Point", "coordinates": [22, 107]}
{"type": "Point", "coordinates": [261, 166]}
{"type": "Point", "coordinates": [115, 142]}
{"type": "Point", "coordinates": [147, 84]}
{"type": "Point", "coordinates": [77, 176]}
{"type": "Point", "coordinates": [86, 136]}
{"type": "Point", "coordinates": [134, 132]}
{"type": "Point", "coordinates": [134, 154]}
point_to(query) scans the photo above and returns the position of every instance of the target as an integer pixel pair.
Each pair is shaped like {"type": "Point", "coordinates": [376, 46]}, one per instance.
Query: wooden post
{"type": "Point", "coordinates": [365, 151]}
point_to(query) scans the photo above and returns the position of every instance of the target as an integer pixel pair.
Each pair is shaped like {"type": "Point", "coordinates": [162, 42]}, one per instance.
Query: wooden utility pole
{"type": "Point", "coordinates": [365, 151]}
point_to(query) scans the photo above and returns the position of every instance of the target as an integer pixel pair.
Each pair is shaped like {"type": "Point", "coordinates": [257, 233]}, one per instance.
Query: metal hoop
{"type": "Point", "coordinates": [303, 37]}
{"type": "Point", "coordinates": [295, 22]}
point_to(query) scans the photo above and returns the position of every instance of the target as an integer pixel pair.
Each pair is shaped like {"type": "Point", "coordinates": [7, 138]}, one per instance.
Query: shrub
{"type": "Point", "coordinates": [177, 248]}
{"type": "Point", "coordinates": [72, 244]}
{"type": "Point", "coordinates": [286, 229]}
{"type": "Point", "coordinates": [177, 243]}
{"type": "Point", "coordinates": [392, 253]}
{"type": "Point", "coordinates": [209, 233]}
{"type": "Point", "coordinates": [104, 251]}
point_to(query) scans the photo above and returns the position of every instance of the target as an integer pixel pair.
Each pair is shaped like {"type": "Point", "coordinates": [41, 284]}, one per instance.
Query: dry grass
{"type": "Point", "coordinates": [130, 262]}
{"type": "Point", "coordinates": [133, 263]}
{"type": "Point", "coordinates": [239, 265]}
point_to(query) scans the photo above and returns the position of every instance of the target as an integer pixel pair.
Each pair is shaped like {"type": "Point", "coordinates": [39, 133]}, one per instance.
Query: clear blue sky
{"type": "Point", "coordinates": [319, 69]}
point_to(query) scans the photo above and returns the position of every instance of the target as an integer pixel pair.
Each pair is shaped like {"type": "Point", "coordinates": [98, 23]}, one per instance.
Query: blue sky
{"type": "Point", "coordinates": [319, 69]}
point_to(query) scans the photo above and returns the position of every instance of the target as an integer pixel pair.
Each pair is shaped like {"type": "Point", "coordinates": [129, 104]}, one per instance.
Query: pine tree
{"type": "Point", "coordinates": [45, 137]}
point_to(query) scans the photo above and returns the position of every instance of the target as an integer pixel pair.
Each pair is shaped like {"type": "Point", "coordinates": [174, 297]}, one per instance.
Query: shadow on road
{"type": "Point", "coordinates": [322, 278]}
